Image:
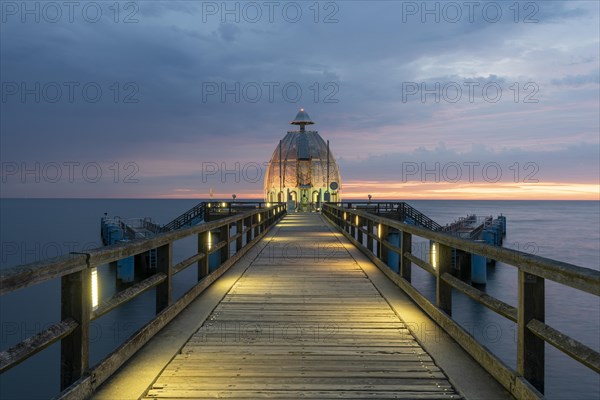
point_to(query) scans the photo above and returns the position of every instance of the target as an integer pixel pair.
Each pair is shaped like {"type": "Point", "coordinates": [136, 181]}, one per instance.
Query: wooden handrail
{"type": "Point", "coordinates": [498, 306]}
{"type": "Point", "coordinates": [76, 304]}
{"type": "Point", "coordinates": [585, 279]}
{"type": "Point", "coordinates": [26, 275]}
{"type": "Point", "coordinates": [127, 295]}
{"type": "Point", "coordinates": [22, 276]}
{"type": "Point", "coordinates": [566, 344]}
{"type": "Point", "coordinates": [528, 380]}
{"type": "Point", "coordinates": [36, 343]}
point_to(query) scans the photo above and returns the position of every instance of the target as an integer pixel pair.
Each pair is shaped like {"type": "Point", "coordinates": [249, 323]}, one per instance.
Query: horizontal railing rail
{"type": "Point", "coordinates": [76, 272]}
{"type": "Point", "coordinates": [527, 381]}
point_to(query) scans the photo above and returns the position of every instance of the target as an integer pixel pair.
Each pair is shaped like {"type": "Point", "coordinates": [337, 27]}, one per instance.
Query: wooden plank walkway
{"type": "Point", "coordinates": [303, 321]}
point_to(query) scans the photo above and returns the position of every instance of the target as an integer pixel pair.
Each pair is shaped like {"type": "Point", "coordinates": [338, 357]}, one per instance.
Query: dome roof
{"type": "Point", "coordinates": [298, 145]}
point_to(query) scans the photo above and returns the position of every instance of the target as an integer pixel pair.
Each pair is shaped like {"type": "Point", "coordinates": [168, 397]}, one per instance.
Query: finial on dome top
{"type": "Point", "coordinates": [302, 119]}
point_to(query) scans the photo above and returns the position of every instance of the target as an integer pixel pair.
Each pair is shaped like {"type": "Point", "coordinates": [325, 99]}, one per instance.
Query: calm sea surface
{"type": "Point", "coordinates": [34, 229]}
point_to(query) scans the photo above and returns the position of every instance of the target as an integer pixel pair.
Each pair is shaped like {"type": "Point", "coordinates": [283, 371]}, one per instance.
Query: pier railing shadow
{"type": "Point", "coordinates": [78, 378]}
{"type": "Point", "coordinates": [527, 381]}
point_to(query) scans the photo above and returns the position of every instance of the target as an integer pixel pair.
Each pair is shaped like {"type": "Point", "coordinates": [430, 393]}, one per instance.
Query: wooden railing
{"type": "Point", "coordinates": [527, 382]}
{"type": "Point", "coordinates": [78, 380]}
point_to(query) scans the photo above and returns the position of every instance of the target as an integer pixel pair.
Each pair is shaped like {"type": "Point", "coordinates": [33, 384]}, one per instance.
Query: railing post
{"type": "Point", "coordinates": [224, 235]}
{"type": "Point", "coordinates": [348, 222]}
{"type": "Point", "coordinates": [255, 222]}
{"type": "Point", "coordinates": [370, 237]}
{"type": "Point", "coordinates": [393, 258]}
{"type": "Point", "coordinates": [530, 348]}
{"type": "Point", "coordinates": [163, 264]}
{"type": "Point", "coordinates": [405, 263]}
{"type": "Point", "coordinates": [464, 265]}
{"type": "Point", "coordinates": [76, 298]}
{"type": "Point", "coordinates": [248, 226]}
{"type": "Point", "coordinates": [263, 220]}
{"type": "Point", "coordinates": [382, 251]}
{"type": "Point", "coordinates": [443, 290]}
{"type": "Point", "coordinates": [352, 225]}
{"type": "Point", "coordinates": [203, 264]}
{"type": "Point", "coordinates": [359, 230]}
{"type": "Point", "coordinates": [239, 229]}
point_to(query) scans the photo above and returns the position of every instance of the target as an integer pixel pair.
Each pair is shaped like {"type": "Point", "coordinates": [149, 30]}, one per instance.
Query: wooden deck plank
{"type": "Point", "coordinates": [280, 394]}
{"type": "Point", "coordinates": [304, 321]}
{"type": "Point", "coordinates": [415, 370]}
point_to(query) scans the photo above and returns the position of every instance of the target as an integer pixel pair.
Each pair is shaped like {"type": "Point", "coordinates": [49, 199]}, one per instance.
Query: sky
{"type": "Point", "coordinates": [419, 100]}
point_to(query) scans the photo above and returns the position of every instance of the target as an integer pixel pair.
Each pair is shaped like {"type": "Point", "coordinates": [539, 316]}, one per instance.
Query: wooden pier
{"type": "Point", "coordinates": [302, 305]}
{"type": "Point", "coordinates": [304, 321]}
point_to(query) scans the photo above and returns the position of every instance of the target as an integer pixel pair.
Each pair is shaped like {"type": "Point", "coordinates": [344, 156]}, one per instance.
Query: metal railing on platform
{"type": "Point", "coordinates": [186, 219]}
{"type": "Point", "coordinates": [206, 209]}
{"type": "Point", "coordinates": [527, 382]}
{"type": "Point", "coordinates": [78, 380]}
{"type": "Point", "coordinates": [400, 210]}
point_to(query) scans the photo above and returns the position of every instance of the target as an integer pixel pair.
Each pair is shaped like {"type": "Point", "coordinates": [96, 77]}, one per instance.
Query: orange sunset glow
{"type": "Point", "coordinates": [359, 190]}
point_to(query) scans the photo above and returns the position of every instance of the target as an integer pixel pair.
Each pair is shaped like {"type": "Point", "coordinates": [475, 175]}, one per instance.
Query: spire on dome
{"type": "Point", "coordinates": [302, 119]}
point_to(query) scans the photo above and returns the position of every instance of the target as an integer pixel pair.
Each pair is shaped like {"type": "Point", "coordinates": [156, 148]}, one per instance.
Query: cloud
{"type": "Point", "coordinates": [229, 32]}
{"type": "Point", "coordinates": [577, 163]}
{"type": "Point", "coordinates": [350, 73]}
{"type": "Point", "coordinates": [579, 80]}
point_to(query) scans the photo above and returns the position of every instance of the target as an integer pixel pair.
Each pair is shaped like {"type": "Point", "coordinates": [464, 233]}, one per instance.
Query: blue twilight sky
{"type": "Point", "coordinates": [419, 99]}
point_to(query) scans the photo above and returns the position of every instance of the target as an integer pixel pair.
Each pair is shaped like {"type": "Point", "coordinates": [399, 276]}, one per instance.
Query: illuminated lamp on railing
{"type": "Point", "coordinates": [94, 276]}
{"type": "Point", "coordinates": [433, 257]}
{"type": "Point", "coordinates": [379, 231]}
{"type": "Point", "coordinates": [356, 220]}
{"type": "Point", "coordinates": [209, 244]}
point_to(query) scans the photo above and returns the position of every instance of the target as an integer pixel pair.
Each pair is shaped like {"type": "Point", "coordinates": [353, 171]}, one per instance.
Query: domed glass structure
{"type": "Point", "coordinates": [302, 170]}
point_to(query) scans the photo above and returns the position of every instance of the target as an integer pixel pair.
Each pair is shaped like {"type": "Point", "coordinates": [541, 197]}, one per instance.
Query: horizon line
{"type": "Point", "coordinates": [262, 199]}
